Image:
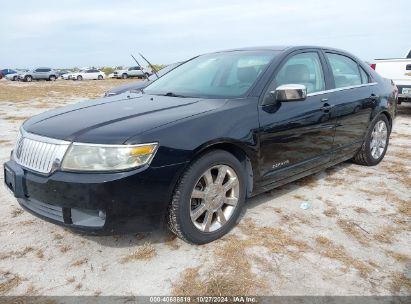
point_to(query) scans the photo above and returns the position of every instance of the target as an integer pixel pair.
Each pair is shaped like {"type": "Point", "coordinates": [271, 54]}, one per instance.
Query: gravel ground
{"type": "Point", "coordinates": [354, 240]}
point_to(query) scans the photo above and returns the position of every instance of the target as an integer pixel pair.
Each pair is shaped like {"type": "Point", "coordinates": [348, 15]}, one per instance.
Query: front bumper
{"type": "Point", "coordinates": [124, 202]}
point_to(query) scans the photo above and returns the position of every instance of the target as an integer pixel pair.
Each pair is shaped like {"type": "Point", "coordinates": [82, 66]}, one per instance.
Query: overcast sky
{"type": "Point", "coordinates": [59, 33]}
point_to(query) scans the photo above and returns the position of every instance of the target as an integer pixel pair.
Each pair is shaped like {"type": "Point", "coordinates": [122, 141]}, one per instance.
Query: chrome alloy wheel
{"type": "Point", "coordinates": [214, 198]}
{"type": "Point", "coordinates": [379, 138]}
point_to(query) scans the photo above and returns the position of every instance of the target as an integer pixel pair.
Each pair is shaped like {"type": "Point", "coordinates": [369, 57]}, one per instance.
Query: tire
{"type": "Point", "coordinates": [79, 77]}
{"type": "Point", "coordinates": [124, 76]}
{"type": "Point", "coordinates": [147, 75]}
{"type": "Point", "coordinates": [100, 77]}
{"type": "Point", "coordinates": [213, 204]}
{"type": "Point", "coordinates": [28, 79]}
{"type": "Point", "coordinates": [52, 78]}
{"type": "Point", "coordinates": [14, 78]}
{"type": "Point", "coordinates": [371, 152]}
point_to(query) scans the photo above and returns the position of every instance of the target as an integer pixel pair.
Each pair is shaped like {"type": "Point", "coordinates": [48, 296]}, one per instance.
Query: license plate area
{"type": "Point", "coordinates": [406, 91]}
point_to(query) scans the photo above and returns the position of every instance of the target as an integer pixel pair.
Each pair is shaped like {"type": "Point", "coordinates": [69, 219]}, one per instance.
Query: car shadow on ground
{"type": "Point", "coordinates": [164, 236]}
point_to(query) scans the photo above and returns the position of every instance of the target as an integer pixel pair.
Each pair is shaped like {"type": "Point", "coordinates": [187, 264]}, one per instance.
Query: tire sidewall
{"type": "Point", "coordinates": [371, 160]}
{"type": "Point", "coordinates": [183, 213]}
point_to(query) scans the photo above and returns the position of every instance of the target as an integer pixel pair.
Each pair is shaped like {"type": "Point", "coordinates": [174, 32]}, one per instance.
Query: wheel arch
{"type": "Point", "coordinates": [239, 152]}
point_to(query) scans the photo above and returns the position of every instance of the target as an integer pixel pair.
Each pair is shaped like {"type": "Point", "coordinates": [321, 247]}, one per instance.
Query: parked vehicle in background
{"type": "Point", "coordinates": [66, 76]}
{"type": "Point", "coordinates": [12, 77]}
{"type": "Point", "coordinates": [399, 70]}
{"type": "Point", "coordinates": [136, 86]}
{"type": "Point", "coordinates": [5, 72]}
{"type": "Point", "coordinates": [135, 71]}
{"type": "Point", "coordinates": [218, 129]}
{"type": "Point", "coordinates": [62, 72]}
{"type": "Point", "coordinates": [39, 74]}
{"type": "Point", "coordinates": [89, 74]}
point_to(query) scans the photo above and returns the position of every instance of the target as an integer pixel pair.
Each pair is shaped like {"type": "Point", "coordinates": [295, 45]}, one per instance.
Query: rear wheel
{"type": "Point", "coordinates": [79, 77]}
{"type": "Point", "coordinates": [208, 199]}
{"type": "Point", "coordinates": [375, 144]}
{"type": "Point", "coordinates": [28, 79]}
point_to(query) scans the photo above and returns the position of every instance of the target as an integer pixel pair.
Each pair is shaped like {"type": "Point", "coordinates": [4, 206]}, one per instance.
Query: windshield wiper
{"type": "Point", "coordinates": [171, 94]}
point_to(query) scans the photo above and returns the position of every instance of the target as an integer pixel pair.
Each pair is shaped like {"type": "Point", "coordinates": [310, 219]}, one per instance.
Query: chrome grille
{"type": "Point", "coordinates": [38, 153]}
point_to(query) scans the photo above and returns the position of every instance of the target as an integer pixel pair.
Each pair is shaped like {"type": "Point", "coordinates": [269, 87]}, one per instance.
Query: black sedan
{"type": "Point", "coordinates": [191, 147]}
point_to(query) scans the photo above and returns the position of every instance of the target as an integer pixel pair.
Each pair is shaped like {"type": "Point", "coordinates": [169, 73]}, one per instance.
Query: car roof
{"type": "Point", "coordinates": [279, 48]}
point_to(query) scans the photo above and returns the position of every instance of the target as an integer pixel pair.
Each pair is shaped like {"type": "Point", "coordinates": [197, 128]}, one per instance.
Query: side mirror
{"type": "Point", "coordinates": [290, 92]}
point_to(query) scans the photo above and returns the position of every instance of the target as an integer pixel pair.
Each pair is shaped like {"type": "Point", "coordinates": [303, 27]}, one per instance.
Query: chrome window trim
{"type": "Point", "coordinates": [342, 89]}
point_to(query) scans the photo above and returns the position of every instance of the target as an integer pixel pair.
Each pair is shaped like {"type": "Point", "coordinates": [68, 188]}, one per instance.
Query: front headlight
{"type": "Point", "coordinates": [91, 157]}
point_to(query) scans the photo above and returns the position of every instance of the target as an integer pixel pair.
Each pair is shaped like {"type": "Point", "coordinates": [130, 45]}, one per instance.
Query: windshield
{"type": "Point", "coordinates": [218, 75]}
{"type": "Point", "coordinates": [163, 71]}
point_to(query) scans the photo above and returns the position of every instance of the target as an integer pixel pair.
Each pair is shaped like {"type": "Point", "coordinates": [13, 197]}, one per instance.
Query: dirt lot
{"type": "Point", "coordinates": [354, 240]}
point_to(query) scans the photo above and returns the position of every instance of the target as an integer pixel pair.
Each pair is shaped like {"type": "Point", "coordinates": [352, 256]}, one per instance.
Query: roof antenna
{"type": "Point", "coordinates": [141, 68]}
{"type": "Point", "coordinates": [152, 67]}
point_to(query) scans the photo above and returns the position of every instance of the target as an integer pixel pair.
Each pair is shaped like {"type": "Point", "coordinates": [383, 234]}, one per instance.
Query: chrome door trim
{"type": "Point", "coordinates": [342, 89]}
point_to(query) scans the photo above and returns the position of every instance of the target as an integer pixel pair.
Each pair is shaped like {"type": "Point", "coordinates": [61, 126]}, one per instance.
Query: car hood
{"type": "Point", "coordinates": [113, 120]}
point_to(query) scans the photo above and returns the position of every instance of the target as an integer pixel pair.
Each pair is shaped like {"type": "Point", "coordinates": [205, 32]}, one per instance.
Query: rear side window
{"type": "Point", "coordinates": [304, 68]}
{"type": "Point", "coordinates": [409, 55]}
{"type": "Point", "coordinates": [345, 70]}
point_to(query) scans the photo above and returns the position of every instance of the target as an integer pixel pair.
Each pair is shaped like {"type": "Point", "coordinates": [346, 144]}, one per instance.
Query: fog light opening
{"type": "Point", "coordinates": [102, 214]}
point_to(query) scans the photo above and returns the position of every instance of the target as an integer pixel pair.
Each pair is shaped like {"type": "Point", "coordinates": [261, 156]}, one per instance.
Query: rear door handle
{"type": "Point", "coordinates": [374, 97]}
{"type": "Point", "coordinates": [326, 107]}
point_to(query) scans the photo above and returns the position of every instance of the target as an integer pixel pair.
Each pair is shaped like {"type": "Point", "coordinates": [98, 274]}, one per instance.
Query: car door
{"type": "Point", "coordinates": [37, 74]}
{"type": "Point", "coordinates": [88, 74]}
{"type": "Point", "coordinates": [353, 102]}
{"type": "Point", "coordinates": [296, 136]}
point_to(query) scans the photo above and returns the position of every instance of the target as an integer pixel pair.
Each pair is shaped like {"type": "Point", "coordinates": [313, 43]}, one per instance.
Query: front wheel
{"type": "Point", "coordinates": [124, 76]}
{"type": "Point", "coordinates": [100, 77]}
{"type": "Point", "coordinates": [79, 77]}
{"type": "Point", "coordinates": [208, 199]}
{"type": "Point", "coordinates": [52, 78]}
{"type": "Point", "coordinates": [28, 78]}
{"type": "Point", "coordinates": [375, 144]}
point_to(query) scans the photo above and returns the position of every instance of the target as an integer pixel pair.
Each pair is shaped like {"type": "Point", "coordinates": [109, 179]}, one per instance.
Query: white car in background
{"type": "Point", "coordinates": [135, 71]}
{"type": "Point", "coordinates": [89, 74]}
{"type": "Point", "coordinates": [399, 71]}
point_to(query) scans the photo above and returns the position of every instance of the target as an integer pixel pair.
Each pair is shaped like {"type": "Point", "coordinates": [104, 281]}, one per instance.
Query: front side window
{"type": "Point", "coordinates": [218, 75]}
{"type": "Point", "coordinates": [305, 69]}
{"type": "Point", "coordinates": [345, 70]}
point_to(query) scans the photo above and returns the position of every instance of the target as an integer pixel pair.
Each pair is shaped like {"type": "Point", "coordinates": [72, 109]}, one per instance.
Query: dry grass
{"type": "Point", "coordinates": [400, 257]}
{"type": "Point", "coordinates": [400, 282]}
{"type": "Point", "coordinates": [70, 280]}
{"type": "Point", "coordinates": [331, 212]}
{"type": "Point", "coordinates": [330, 250]}
{"type": "Point", "coordinates": [11, 281]}
{"type": "Point", "coordinates": [351, 229]}
{"type": "Point", "coordinates": [58, 236]}
{"type": "Point", "coordinates": [361, 210]}
{"type": "Point", "coordinates": [232, 272]}
{"type": "Point", "coordinates": [387, 234]}
{"type": "Point", "coordinates": [79, 262]}
{"type": "Point", "coordinates": [145, 252]}
{"type": "Point", "coordinates": [64, 248]}
{"type": "Point", "coordinates": [16, 212]}
{"type": "Point", "coordinates": [40, 253]}
{"type": "Point", "coordinates": [18, 91]}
